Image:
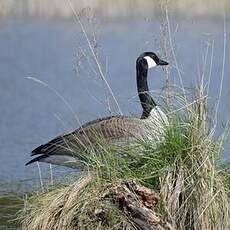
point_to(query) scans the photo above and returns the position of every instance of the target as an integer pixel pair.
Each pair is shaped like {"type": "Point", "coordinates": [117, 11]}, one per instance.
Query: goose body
{"type": "Point", "coordinates": [115, 130]}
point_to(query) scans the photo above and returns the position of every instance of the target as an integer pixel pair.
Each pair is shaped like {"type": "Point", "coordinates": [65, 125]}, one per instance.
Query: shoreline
{"type": "Point", "coordinates": [113, 11]}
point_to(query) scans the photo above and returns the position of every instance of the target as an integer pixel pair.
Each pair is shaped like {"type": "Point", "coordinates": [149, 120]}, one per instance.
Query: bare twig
{"type": "Point", "coordinates": [99, 68]}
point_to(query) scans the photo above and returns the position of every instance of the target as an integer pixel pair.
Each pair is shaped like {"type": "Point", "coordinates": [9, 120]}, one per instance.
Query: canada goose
{"type": "Point", "coordinates": [115, 130]}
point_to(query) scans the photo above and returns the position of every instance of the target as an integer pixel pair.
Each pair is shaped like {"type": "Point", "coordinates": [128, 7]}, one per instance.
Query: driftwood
{"type": "Point", "coordinates": [137, 203]}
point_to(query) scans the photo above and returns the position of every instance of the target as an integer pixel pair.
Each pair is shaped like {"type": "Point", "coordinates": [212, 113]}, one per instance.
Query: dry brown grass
{"type": "Point", "coordinates": [71, 207]}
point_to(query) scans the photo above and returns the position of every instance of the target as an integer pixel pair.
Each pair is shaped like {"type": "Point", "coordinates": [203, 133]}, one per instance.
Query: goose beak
{"type": "Point", "coordinates": [161, 62]}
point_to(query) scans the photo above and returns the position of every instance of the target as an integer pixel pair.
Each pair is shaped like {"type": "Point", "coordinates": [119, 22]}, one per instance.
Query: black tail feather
{"type": "Point", "coordinates": [49, 147]}
{"type": "Point", "coordinates": [37, 159]}
{"type": "Point", "coordinates": [37, 151]}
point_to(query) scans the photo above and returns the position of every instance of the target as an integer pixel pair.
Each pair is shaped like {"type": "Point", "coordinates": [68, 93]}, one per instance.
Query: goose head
{"type": "Point", "coordinates": [150, 60]}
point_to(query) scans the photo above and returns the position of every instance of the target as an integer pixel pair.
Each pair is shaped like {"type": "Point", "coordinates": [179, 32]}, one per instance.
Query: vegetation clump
{"type": "Point", "coordinates": [181, 184]}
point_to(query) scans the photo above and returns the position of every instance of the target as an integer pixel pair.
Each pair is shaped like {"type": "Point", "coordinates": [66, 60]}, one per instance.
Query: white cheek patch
{"type": "Point", "coordinates": [150, 61]}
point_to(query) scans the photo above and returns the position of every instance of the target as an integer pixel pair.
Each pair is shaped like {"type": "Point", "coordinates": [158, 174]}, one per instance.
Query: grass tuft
{"type": "Point", "coordinates": [185, 171]}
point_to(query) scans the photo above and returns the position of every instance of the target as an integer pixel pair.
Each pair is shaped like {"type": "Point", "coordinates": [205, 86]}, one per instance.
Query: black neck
{"type": "Point", "coordinates": [147, 102]}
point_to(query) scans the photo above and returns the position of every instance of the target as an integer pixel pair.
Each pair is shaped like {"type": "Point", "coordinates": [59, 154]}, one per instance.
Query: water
{"type": "Point", "coordinates": [32, 113]}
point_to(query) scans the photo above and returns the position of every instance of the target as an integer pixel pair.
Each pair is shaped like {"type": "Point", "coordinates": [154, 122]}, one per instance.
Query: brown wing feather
{"type": "Point", "coordinates": [113, 130]}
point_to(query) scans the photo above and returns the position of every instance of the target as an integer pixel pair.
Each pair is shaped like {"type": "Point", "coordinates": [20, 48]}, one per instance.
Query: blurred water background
{"type": "Point", "coordinates": [42, 40]}
{"type": "Point", "coordinates": [110, 9]}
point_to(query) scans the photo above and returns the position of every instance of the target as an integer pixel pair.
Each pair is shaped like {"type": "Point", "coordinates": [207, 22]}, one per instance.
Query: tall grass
{"type": "Point", "coordinates": [185, 171]}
